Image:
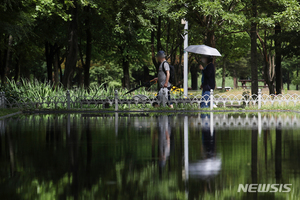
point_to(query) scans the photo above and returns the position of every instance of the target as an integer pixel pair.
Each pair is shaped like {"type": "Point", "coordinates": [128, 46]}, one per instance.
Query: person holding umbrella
{"type": "Point", "coordinates": [208, 72]}
{"type": "Point", "coordinates": [208, 80]}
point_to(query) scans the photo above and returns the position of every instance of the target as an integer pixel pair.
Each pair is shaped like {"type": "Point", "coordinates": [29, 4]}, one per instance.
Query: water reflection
{"type": "Point", "coordinates": [164, 128]}
{"type": "Point", "coordinates": [278, 155]}
{"type": "Point", "coordinates": [210, 164]}
{"type": "Point", "coordinates": [119, 156]}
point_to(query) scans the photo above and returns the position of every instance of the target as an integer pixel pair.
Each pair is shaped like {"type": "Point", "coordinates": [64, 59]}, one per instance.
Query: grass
{"type": "Point", "coordinates": [5, 111]}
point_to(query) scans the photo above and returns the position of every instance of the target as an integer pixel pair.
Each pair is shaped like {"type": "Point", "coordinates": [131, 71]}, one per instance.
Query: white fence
{"type": "Point", "coordinates": [101, 102]}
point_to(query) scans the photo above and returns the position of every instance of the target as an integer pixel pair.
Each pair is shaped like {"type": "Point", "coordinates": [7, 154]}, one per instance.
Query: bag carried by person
{"type": "Point", "coordinates": [172, 72]}
{"type": "Point", "coordinates": [163, 94]}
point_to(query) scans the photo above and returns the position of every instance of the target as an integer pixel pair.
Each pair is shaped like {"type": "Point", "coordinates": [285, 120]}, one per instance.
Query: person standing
{"type": "Point", "coordinates": [208, 79]}
{"type": "Point", "coordinates": [163, 75]}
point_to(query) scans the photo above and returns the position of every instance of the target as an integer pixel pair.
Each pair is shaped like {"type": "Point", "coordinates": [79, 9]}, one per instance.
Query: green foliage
{"type": "Point", "coordinates": [126, 31]}
{"type": "Point", "coordinates": [109, 73]}
{"type": "Point", "coordinates": [296, 80]}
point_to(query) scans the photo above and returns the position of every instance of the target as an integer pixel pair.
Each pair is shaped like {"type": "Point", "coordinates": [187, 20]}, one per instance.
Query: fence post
{"type": "Point", "coordinates": [259, 98]}
{"type": "Point", "coordinates": [116, 100]}
{"type": "Point", "coordinates": [68, 99]}
{"type": "Point", "coordinates": [211, 99]}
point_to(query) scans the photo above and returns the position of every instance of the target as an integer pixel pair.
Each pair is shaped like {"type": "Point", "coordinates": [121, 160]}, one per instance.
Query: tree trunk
{"type": "Point", "coordinates": [56, 66]}
{"type": "Point", "coordinates": [153, 49]}
{"type": "Point", "coordinates": [80, 72]}
{"type": "Point", "coordinates": [269, 75]}
{"type": "Point", "coordinates": [72, 49]}
{"type": "Point", "coordinates": [88, 50]}
{"type": "Point", "coordinates": [59, 66]}
{"type": "Point", "coordinates": [126, 79]}
{"type": "Point", "coordinates": [8, 56]}
{"type": "Point", "coordinates": [235, 84]}
{"type": "Point", "coordinates": [271, 88]}
{"type": "Point", "coordinates": [278, 69]}
{"type": "Point", "coordinates": [297, 86]}
{"type": "Point", "coordinates": [17, 69]}
{"type": "Point", "coordinates": [2, 60]}
{"type": "Point", "coordinates": [49, 53]}
{"type": "Point", "coordinates": [211, 39]}
{"type": "Point", "coordinates": [194, 76]}
{"type": "Point", "coordinates": [146, 74]}
{"type": "Point", "coordinates": [288, 82]}
{"type": "Point", "coordinates": [159, 47]}
{"type": "Point", "coordinates": [224, 74]}
{"type": "Point", "coordinates": [179, 74]}
{"type": "Point", "coordinates": [2, 65]}
{"type": "Point", "coordinates": [168, 37]}
{"type": "Point", "coordinates": [253, 35]}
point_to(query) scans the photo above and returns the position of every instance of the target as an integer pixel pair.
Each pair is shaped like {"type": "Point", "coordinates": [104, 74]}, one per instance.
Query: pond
{"type": "Point", "coordinates": [149, 156]}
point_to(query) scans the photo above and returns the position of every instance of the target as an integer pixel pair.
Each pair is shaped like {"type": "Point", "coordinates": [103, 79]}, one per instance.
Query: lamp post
{"type": "Point", "coordinates": [185, 58]}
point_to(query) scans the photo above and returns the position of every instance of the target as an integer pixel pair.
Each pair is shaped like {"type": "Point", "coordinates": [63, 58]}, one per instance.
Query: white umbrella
{"type": "Point", "coordinates": [203, 49]}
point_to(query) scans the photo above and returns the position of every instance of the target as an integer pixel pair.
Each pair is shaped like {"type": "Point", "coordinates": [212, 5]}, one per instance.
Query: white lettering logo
{"type": "Point", "coordinates": [264, 187]}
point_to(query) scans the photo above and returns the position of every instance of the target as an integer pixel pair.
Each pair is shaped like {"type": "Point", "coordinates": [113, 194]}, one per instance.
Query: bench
{"type": "Point", "coordinates": [226, 88]}
{"type": "Point", "coordinates": [245, 81]}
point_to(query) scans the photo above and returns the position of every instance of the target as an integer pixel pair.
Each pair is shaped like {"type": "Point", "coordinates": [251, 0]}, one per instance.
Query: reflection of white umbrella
{"type": "Point", "coordinates": [203, 49]}
{"type": "Point", "coordinates": [205, 169]}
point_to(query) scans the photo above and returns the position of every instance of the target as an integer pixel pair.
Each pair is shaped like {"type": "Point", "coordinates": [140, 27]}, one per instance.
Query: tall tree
{"type": "Point", "coordinates": [49, 53]}
{"type": "Point", "coordinates": [88, 48]}
{"type": "Point", "coordinates": [72, 52]}
{"type": "Point", "coordinates": [278, 69]}
{"type": "Point", "coordinates": [253, 36]}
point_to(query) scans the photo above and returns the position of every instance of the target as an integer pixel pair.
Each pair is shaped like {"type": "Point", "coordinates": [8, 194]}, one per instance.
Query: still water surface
{"type": "Point", "coordinates": [89, 156]}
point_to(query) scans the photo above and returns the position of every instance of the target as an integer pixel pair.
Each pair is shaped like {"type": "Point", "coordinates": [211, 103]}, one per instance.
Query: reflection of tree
{"type": "Point", "coordinates": [254, 160]}
{"type": "Point", "coordinates": [88, 149]}
{"type": "Point", "coordinates": [265, 135]}
{"type": "Point", "coordinates": [147, 183]}
{"type": "Point", "coordinates": [72, 143]}
{"type": "Point", "coordinates": [104, 165]}
{"type": "Point", "coordinates": [278, 160]}
{"type": "Point", "coordinates": [11, 152]}
{"type": "Point", "coordinates": [62, 163]}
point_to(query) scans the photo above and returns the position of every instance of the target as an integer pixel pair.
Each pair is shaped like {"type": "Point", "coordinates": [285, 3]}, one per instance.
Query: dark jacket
{"type": "Point", "coordinates": [209, 74]}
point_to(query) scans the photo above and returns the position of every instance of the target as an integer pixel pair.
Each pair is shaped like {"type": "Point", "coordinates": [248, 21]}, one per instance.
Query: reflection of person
{"type": "Point", "coordinates": [210, 164]}
{"type": "Point", "coordinates": [208, 138]}
{"type": "Point", "coordinates": [163, 139]}
{"type": "Point", "coordinates": [163, 75]}
{"type": "Point", "coordinates": [208, 78]}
